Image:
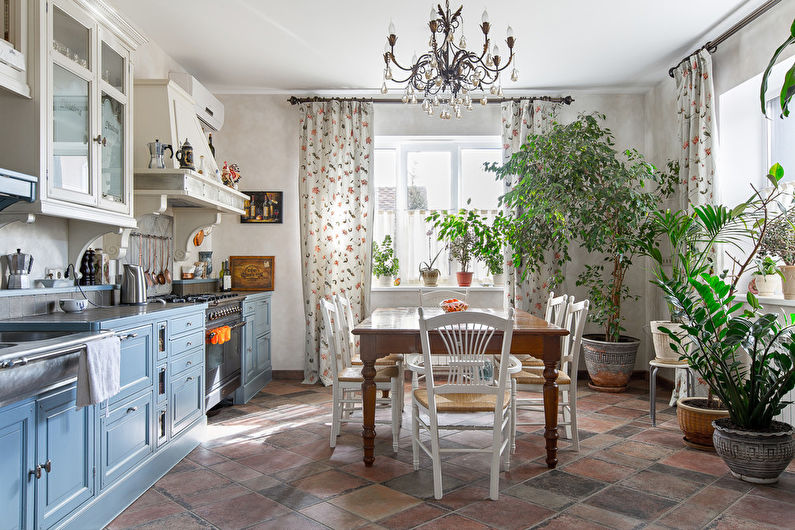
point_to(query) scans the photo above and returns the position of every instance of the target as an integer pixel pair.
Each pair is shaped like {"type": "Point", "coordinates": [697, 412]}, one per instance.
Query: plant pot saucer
{"type": "Point", "coordinates": [611, 389]}
{"type": "Point", "coordinates": [700, 447]}
{"type": "Point", "coordinates": [669, 361]}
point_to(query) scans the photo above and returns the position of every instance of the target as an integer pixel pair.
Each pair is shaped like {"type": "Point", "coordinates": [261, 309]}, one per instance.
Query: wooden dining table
{"type": "Point", "coordinates": [397, 330]}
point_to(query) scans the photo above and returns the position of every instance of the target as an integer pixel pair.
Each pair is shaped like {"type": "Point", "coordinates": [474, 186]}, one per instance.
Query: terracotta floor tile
{"type": "Point", "coordinates": [567, 522]}
{"type": "Point", "coordinates": [209, 496]}
{"type": "Point", "coordinates": [241, 512]}
{"type": "Point", "coordinates": [453, 522]}
{"type": "Point", "coordinates": [329, 483]}
{"type": "Point", "coordinates": [333, 517]}
{"type": "Point", "coordinates": [661, 437]}
{"type": "Point", "coordinates": [243, 449]}
{"type": "Point", "coordinates": [598, 441]}
{"type": "Point", "coordinates": [621, 412]}
{"type": "Point", "coordinates": [520, 473]}
{"type": "Point", "coordinates": [206, 457]}
{"type": "Point", "coordinates": [462, 497]}
{"type": "Point", "coordinates": [695, 460]}
{"type": "Point", "coordinates": [733, 522]}
{"type": "Point", "coordinates": [274, 460]}
{"type": "Point", "coordinates": [766, 511]}
{"type": "Point", "coordinates": [625, 431]}
{"type": "Point", "coordinates": [662, 484]}
{"type": "Point", "coordinates": [235, 471]}
{"type": "Point", "coordinates": [182, 521]}
{"type": "Point", "coordinates": [566, 484]}
{"type": "Point", "coordinates": [631, 503]}
{"type": "Point", "coordinates": [149, 507]}
{"type": "Point", "coordinates": [292, 437]}
{"type": "Point", "coordinates": [542, 497]}
{"type": "Point", "coordinates": [507, 512]}
{"type": "Point", "coordinates": [387, 468]}
{"type": "Point", "coordinates": [599, 424]}
{"type": "Point", "coordinates": [420, 483]}
{"type": "Point", "coordinates": [604, 517]}
{"type": "Point", "coordinates": [290, 496]}
{"type": "Point", "coordinates": [294, 473]}
{"type": "Point", "coordinates": [290, 521]}
{"type": "Point", "coordinates": [701, 508]}
{"type": "Point", "coordinates": [783, 490]}
{"type": "Point", "coordinates": [375, 502]}
{"type": "Point", "coordinates": [412, 517]}
{"type": "Point", "coordinates": [611, 455]}
{"type": "Point", "coordinates": [260, 483]}
{"type": "Point", "coordinates": [694, 476]}
{"type": "Point", "coordinates": [641, 404]}
{"type": "Point", "coordinates": [180, 484]}
{"type": "Point", "coordinates": [642, 450]}
{"type": "Point", "coordinates": [599, 469]}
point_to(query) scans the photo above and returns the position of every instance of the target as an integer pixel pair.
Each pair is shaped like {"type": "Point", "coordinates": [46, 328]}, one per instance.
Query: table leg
{"type": "Point", "coordinates": [653, 395]}
{"type": "Point", "coordinates": [368, 406]}
{"type": "Point", "coordinates": [551, 356]}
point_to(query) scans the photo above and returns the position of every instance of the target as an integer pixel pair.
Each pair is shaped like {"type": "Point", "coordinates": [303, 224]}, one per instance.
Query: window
{"type": "Point", "coordinates": [781, 139]}
{"type": "Point", "coordinates": [414, 177]}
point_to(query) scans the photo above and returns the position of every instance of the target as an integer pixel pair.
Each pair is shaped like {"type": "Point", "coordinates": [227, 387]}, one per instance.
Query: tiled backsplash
{"type": "Point", "coordinates": [23, 305]}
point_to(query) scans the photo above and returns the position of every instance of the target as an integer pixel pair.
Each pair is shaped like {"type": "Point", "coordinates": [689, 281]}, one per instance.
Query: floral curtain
{"type": "Point", "coordinates": [521, 119]}
{"type": "Point", "coordinates": [697, 138]}
{"type": "Point", "coordinates": [335, 185]}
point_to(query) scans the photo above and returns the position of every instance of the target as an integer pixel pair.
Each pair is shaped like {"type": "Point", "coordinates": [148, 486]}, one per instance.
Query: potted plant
{"type": "Point", "coordinates": [574, 185]}
{"type": "Point", "coordinates": [767, 277]}
{"type": "Point", "coordinates": [461, 251]}
{"type": "Point", "coordinates": [385, 263]}
{"type": "Point", "coordinates": [745, 356]}
{"type": "Point", "coordinates": [428, 274]}
{"type": "Point", "coordinates": [490, 245]}
{"type": "Point", "coordinates": [779, 241]}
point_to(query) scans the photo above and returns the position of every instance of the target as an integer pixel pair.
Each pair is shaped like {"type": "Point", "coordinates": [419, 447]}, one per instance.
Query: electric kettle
{"type": "Point", "coordinates": [19, 266]}
{"type": "Point", "coordinates": [157, 153]}
{"type": "Point", "coordinates": [133, 285]}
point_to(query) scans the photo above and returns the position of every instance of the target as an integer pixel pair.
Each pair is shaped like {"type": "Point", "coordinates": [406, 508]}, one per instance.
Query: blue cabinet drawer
{"type": "Point", "coordinates": [186, 323]}
{"type": "Point", "coordinates": [262, 317]}
{"type": "Point", "coordinates": [137, 362]}
{"type": "Point", "coordinates": [18, 450]}
{"type": "Point", "coordinates": [189, 341]}
{"type": "Point", "coordinates": [191, 359]}
{"type": "Point", "coordinates": [186, 399]}
{"type": "Point", "coordinates": [263, 353]}
{"type": "Point", "coordinates": [126, 437]}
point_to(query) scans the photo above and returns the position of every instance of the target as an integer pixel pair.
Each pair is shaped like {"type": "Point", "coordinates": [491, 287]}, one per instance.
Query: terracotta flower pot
{"type": "Point", "coordinates": [464, 279]}
{"type": "Point", "coordinates": [696, 422]}
{"type": "Point", "coordinates": [754, 456]}
{"type": "Point", "coordinates": [789, 281]}
{"type": "Point", "coordinates": [429, 277]}
{"type": "Point", "coordinates": [609, 364]}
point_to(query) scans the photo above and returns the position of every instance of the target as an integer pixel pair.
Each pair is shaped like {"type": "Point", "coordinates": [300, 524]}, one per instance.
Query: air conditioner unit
{"type": "Point", "coordinates": [209, 110]}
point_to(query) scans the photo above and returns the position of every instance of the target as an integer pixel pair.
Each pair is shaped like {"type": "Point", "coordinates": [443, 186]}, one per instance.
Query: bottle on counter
{"type": "Point", "coordinates": [227, 279]}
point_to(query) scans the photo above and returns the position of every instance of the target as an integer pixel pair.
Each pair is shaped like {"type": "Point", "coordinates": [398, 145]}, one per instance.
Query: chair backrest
{"type": "Point", "coordinates": [466, 336]}
{"type": "Point", "coordinates": [574, 321]}
{"type": "Point", "coordinates": [333, 335]}
{"type": "Point", "coordinates": [556, 308]}
{"type": "Point", "coordinates": [347, 324]}
{"type": "Point", "coordinates": [433, 297]}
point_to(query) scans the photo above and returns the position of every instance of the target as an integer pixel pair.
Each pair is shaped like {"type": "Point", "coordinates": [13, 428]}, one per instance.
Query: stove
{"type": "Point", "coordinates": [222, 361]}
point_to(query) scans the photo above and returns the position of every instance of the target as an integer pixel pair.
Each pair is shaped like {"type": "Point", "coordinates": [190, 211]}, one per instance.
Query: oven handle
{"type": "Point", "coordinates": [238, 325]}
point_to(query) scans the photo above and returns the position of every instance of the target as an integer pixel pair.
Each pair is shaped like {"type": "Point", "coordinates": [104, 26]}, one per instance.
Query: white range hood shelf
{"type": "Point", "coordinates": [159, 189]}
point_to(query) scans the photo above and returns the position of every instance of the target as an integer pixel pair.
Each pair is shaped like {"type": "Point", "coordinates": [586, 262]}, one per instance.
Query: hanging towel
{"type": "Point", "coordinates": [98, 372]}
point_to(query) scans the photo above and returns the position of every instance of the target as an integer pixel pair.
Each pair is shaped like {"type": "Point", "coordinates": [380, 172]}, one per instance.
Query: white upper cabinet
{"type": "Point", "coordinates": [81, 114]}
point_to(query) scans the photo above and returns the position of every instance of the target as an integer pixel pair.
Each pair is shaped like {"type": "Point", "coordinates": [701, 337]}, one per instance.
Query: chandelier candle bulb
{"type": "Point", "coordinates": [391, 28]}
{"type": "Point", "coordinates": [485, 17]}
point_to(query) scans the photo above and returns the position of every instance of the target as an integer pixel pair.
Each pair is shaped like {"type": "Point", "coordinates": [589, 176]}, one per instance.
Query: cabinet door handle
{"type": "Point", "coordinates": [189, 379]}
{"type": "Point", "coordinates": [188, 363]}
{"type": "Point", "coordinates": [188, 323]}
{"type": "Point", "coordinates": [101, 140]}
{"type": "Point", "coordinates": [132, 409]}
{"type": "Point", "coordinates": [129, 336]}
{"type": "Point", "coordinates": [36, 472]}
{"type": "Point", "coordinates": [48, 466]}
{"type": "Point", "coordinates": [189, 343]}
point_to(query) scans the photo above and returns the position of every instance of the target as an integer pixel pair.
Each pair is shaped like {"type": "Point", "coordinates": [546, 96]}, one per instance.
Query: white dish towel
{"type": "Point", "coordinates": [98, 371]}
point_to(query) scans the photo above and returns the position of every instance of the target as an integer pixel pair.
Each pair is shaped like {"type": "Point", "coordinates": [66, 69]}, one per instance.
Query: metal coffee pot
{"type": "Point", "coordinates": [19, 265]}
{"type": "Point", "coordinates": [185, 156]}
{"type": "Point", "coordinates": [157, 152]}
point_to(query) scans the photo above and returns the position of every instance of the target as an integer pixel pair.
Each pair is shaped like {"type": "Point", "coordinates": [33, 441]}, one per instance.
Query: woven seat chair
{"type": "Point", "coordinates": [554, 313]}
{"type": "Point", "coordinates": [469, 389]}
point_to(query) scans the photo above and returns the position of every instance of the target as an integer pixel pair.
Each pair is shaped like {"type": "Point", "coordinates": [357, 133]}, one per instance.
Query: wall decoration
{"type": "Point", "coordinates": [264, 207]}
{"type": "Point", "coordinates": [252, 273]}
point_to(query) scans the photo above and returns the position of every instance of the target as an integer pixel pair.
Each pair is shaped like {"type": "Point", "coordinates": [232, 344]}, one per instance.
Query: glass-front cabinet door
{"type": "Point", "coordinates": [71, 172]}
{"type": "Point", "coordinates": [114, 117]}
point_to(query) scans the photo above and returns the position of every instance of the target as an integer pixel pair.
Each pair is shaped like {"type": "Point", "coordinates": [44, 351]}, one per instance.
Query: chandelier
{"type": "Point", "coordinates": [447, 75]}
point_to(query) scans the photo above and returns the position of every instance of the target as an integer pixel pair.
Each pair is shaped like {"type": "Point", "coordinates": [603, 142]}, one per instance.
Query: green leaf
{"type": "Point", "coordinates": [769, 68]}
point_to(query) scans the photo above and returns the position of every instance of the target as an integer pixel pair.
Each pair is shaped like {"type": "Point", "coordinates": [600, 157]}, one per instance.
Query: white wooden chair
{"type": "Point", "coordinates": [348, 323]}
{"type": "Point", "coordinates": [348, 379]}
{"type": "Point", "coordinates": [468, 390]}
{"type": "Point", "coordinates": [433, 297]}
{"type": "Point", "coordinates": [554, 313]}
{"type": "Point", "coordinates": [531, 379]}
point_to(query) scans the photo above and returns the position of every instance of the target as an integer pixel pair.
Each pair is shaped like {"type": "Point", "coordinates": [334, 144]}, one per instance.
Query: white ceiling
{"type": "Point", "coordinates": [336, 45]}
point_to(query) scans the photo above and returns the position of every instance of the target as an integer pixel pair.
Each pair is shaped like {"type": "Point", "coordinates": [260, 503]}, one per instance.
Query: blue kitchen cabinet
{"type": "Point", "coordinates": [137, 361]}
{"type": "Point", "coordinates": [263, 353]}
{"type": "Point", "coordinates": [256, 349]}
{"type": "Point", "coordinates": [18, 450]}
{"type": "Point", "coordinates": [186, 399]}
{"type": "Point", "coordinates": [64, 455]}
{"type": "Point", "coordinates": [126, 436]}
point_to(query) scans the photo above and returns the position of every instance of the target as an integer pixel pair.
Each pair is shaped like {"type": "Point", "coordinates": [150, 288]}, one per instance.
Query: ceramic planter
{"type": "Point", "coordinates": [499, 279]}
{"type": "Point", "coordinates": [767, 284]}
{"type": "Point", "coordinates": [754, 456]}
{"type": "Point", "coordinates": [429, 277]}
{"type": "Point", "coordinates": [609, 364]}
{"type": "Point", "coordinates": [696, 422]}
{"type": "Point", "coordinates": [464, 279]}
{"type": "Point", "coordinates": [788, 286]}
{"type": "Point", "coordinates": [662, 342]}
{"type": "Point", "coordinates": [385, 281]}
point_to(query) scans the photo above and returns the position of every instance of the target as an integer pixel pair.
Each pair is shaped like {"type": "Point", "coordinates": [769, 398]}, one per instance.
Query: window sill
{"type": "Point", "coordinates": [414, 288]}
{"type": "Point", "coordinates": [771, 300]}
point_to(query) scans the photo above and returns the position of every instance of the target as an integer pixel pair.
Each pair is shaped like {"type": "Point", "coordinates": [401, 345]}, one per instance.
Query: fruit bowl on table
{"type": "Point", "coordinates": [453, 305]}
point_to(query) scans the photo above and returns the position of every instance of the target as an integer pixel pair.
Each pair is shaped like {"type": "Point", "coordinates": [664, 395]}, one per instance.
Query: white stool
{"type": "Point", "coordinates": [655, 365]}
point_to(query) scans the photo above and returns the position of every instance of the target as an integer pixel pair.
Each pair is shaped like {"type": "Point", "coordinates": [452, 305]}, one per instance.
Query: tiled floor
{"type": "Point", "coordinates": [268, 465]}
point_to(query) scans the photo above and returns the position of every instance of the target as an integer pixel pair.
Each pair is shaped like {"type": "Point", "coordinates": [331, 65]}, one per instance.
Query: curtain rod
{"type": "Point", "coordinates": [567, 100]}
{"type": "Point", "coordinates": [712, 45]}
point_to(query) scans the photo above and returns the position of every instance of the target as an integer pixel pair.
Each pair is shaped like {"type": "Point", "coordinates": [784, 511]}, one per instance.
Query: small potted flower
{"type": "Point", "coordinates": [385, 263]}
{"type": "Point", "coordinates": [779, 242]}
{"type": "Point", "coordinates": [428, 274]}
{"type": "Point", "coordinates": [461, 230]}
{"type": "Point", "coordinates": [767, 277]}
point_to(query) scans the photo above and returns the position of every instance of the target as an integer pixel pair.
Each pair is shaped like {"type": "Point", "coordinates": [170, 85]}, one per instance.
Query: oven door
{"type": "Point", "coordinates": [222, 364]}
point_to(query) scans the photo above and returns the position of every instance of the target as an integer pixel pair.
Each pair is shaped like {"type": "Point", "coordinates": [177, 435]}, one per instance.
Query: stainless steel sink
{"type": "Point", "coordinates": [12, 338]}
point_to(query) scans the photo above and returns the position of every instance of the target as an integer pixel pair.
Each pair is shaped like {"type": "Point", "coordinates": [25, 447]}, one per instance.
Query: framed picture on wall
{"type": "Point", "coordinates": [252, 273]}
{"type": "Point", "coordinates": [263, 207]}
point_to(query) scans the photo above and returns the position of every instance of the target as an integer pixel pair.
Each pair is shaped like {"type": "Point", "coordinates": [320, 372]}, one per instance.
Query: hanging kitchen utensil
{"type": "Point", "coordinates": [150, 279]}
{"type": "Point", "coordinates": [168, 261]}
{"type": "Point", "coordinates": [161, 276]}
{"type": "Point", "coordinates": [198, 238]}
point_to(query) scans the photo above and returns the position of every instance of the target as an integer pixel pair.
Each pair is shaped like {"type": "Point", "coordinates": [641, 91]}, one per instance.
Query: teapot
{"type": "Point", "coordinates": [19, 265]}
{"type": "Point", "coordinates": [157, 152]}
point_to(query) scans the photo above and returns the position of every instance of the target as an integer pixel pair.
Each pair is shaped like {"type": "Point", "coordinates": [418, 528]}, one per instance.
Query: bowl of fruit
{"type": "Point", "coordinates": [453, 305]}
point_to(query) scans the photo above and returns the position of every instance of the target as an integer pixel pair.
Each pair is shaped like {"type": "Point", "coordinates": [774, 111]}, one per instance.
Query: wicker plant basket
{"type": "Point", "coordinates": [696, 423]}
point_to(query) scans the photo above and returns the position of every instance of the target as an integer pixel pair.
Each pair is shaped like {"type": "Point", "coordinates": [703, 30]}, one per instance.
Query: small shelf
{"type": "Point", "coordinates": [56, 290]}
{"type": "Point", "coordinates": [186, 188]}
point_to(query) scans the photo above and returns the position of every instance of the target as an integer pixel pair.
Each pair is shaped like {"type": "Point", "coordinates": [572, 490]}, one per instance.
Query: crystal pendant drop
{"type": "Point", "coordinates": [434, 64]}
{"type": "Point", "coordinates": [515, 75]}
{"type": "Point", "coordinates": [484, 100]}
{"type": "Point", "coordinates": [493, 90]}
{"type": "Point", "coordinates": [435, 101]}
{"type": "Point", "coordinates": [489, 60]}
{"type": "Point", "coordinates": [499, 91]}
{"type": "Point", "coordinates": [462, 43]}
{"type": "Point", "coordinates": [383, 88]}
{"type": "Point", "coordinates": [388, 74]}
{"type": "Point", "coordinates": [405, 98]}
{"type": "Point", "coordinates": [413, 99]}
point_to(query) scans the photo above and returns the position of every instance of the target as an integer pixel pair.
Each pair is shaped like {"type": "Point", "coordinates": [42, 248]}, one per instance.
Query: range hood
{"type": "Point", "coordinates": [15, 187]}
{"type": "Point", "coordinates": [165, 112]}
